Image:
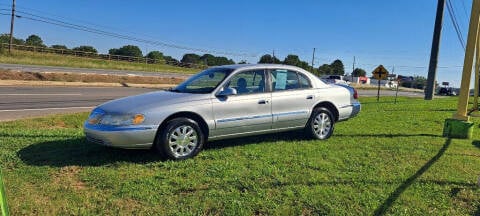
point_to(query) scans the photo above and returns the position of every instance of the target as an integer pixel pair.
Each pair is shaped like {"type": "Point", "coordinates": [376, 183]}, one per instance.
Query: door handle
{"type": "Point", "coordinates": [309, 97]}
{"type": "Point", "coordinates": [263, 102]}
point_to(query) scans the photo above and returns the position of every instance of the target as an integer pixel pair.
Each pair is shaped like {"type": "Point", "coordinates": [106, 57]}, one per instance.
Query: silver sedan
{"type": "Point", "coordinates": [223, 102]}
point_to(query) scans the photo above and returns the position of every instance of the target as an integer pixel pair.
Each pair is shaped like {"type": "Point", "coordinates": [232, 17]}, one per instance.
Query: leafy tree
{"type": "Point", "coordinates": [34, 40]}
{"type": "Point", "coordinates": [190, 58]}
{"type": "Point", "coordinates": [324, 69]}
{"type": "Point", "coordinates": [291, 60]}
{"type": "Point", "coordinates": [242, 62]}
{"type": "Point", "coordinates": [127, 50]}
{"type": "Point", "coordinates": [268, 59]}
{"type": "Point", "coordinates": [113, 51]}
{"type": "Point", "coordinates": [304, 65]}
{"type": "Point", "coordinates": [208, 59]}
{"type": "Point", "coordinates": [358, 72]}
{"type": "Point", "coordinates": [295, 61]}
{"type": "Point", "coordinates": [417, 82]}
{"type": "Point", "coordinates": [58, 46]}
{"type": "Point", "coordinates": [337, 67]}
{"type": "Point", "coordinates": [5, 38]}
{"type": "Point", "coordinates": [170, 60]}
{"type": "Point", "coordinates": [157, 55]}
{"type": "Point", "coordinates": [84, 48]}
{"type": "Point", "coordinates": [224, 61]}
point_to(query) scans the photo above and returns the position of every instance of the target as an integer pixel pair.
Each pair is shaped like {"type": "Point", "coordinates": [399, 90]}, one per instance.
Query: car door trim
{"type": "Point", "coordinates": [243, 118]}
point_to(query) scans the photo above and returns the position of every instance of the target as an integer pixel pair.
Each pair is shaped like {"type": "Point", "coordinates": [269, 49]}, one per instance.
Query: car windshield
{"type": "Point", "coordinates": [203, 82]}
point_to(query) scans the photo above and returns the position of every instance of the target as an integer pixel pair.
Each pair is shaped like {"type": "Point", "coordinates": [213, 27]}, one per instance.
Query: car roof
{"type": "Point", "coordinates": [253, 66]}
{"type": "Point", "coordinates": [316, 81]}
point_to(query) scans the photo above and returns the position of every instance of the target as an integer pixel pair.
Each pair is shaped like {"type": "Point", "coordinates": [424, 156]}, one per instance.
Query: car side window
{"type": "Point", "coordinates": [304, 81]}
{"type": "Point", "coordinates": [248, 82]}
{"type": "Point", "coordinates": [284, 80]}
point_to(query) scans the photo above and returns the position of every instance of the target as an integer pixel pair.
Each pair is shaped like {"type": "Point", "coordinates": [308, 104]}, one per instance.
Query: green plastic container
{"type": "Point", "coordinates": [454, 128]}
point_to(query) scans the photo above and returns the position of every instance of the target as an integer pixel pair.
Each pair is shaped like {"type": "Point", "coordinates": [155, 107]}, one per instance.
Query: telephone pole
{"type": "Point", "coordinates": [313, 58]}
{"type": "Point", "coordinates": [11, 27]}
{"type": "Point", "coordinates": [432, 68]}
{"type": "Point", "coordinates": [353, 69]}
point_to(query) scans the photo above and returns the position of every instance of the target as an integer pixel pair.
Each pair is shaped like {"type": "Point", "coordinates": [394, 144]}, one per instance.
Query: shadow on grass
{"type": "Point", "coordinates": [476, 143]}
{"type": "Point", "coordinates": [67, 152]}
{"type": "Point", "coordinates": [387, 135]}
{"type": "Point", "coordinates": [477, 212]}
{"type": "Point", "coordinates": [249, 140]}
{"type": "Point", "coordinates": [382, 209]}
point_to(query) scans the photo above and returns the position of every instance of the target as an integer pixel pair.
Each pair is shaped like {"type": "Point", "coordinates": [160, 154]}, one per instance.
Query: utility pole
{"type": "Point", "coordinates": [353, 69]}
{"type": "Point", "coordinates": [273, 56]}
{"type": "Point", "coordinates": [432, 68]}
{"type": "Point", "coordinates": [313, 58]}
{"type": "Point", "coordinates": [11, 27]}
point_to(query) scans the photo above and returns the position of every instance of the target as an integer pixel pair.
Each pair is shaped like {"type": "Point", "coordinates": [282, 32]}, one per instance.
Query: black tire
{"type": "Point", "coordinates": [321, 124]}
{"type": "Point", "coordinates": [180, 139]}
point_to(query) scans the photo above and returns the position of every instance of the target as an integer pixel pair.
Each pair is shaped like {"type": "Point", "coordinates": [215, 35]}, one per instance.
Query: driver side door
{"type": "Point", "coordinates": [249, 111]}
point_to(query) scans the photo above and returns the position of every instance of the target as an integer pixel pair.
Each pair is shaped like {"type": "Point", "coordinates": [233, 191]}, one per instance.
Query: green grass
{"type": "Point", "coordinates": [49, 59]}
{"type": "Point", "coordinates": [390, 159]}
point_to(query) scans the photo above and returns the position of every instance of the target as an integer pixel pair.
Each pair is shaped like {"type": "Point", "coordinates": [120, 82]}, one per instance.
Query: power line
{"type": "Point", "coordinates": [453, 18]}
{"type": "Point", "coordinates": [52, 21]}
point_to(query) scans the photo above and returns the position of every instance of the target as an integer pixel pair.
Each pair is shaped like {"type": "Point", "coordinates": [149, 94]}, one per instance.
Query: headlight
{"type": "Point", "coordinates": [122, 119]}
{"type": "Point", "coordinates": [95, 116]}
{"type": "Point", "coordinates": [100, 117]}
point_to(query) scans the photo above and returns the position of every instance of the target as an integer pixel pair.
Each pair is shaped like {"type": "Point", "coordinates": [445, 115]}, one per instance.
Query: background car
{"type": "Point", "coordinates": [223, 102]}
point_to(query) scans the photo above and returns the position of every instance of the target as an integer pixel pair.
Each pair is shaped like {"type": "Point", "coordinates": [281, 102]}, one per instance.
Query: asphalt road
{"type": "Point", "coordinates": [24, 102]}
{"type": "Point", "coordinates": [41, 68]}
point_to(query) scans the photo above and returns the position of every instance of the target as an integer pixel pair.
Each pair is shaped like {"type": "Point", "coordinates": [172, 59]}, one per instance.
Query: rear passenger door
{"type": "Point", "coordinates": [292, 98]}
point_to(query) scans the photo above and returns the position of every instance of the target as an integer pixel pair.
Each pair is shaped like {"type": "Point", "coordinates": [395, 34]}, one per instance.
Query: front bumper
{"type": "Point", "coordinates": [129, 137]}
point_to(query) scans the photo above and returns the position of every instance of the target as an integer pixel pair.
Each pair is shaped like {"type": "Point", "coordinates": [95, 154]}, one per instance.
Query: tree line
{"type": "Point", "coordinates": [189, 59]}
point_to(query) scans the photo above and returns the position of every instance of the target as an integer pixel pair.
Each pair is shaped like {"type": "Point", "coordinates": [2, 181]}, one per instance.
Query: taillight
{"type": "Point", "coordinates": [355, 94]}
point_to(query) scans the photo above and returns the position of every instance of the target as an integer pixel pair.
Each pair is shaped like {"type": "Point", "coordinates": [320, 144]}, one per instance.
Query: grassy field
{"type": "Point", "coordinates": [48, 59]}
{"type": "Point", "coordinates": [391, 159]}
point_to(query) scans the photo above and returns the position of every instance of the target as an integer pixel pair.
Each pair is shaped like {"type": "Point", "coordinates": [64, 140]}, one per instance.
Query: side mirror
{"type": "Point", "coordinates": [227, 92]}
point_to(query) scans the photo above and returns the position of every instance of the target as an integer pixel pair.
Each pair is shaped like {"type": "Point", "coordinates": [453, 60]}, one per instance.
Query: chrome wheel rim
{"type": "Point", "coordinates": [183, 140]}
{"type": "Point", "coordinates": [322, 125]}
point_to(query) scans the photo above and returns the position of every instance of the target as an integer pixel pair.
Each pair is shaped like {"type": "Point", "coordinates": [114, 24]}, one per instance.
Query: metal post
{"type": "Point", "coordinates": [11, 27]}
{"type": "Point", "coordinates": [313, 58]}
{"type": "Point", "coordinates": [476, 88]}
{"type": "Point", "coordinates": [468, 63]}
{"type": "Point", "coordinates": [432, 68]}
{"type": "Point", "coordinates": [353, 69]}
{"type": "Point", "coordinates": [273, 56]}
{"type": "Point", "coordinates": [378, 91]}
{"type": "Point", "coordinates": [477, 76]}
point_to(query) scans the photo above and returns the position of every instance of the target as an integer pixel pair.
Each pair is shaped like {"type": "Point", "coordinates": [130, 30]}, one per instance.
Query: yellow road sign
{"type": "Point", "coordinates": [380, 73]}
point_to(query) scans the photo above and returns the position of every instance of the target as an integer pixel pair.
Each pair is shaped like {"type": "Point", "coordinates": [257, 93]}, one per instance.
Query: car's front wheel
{"type": "Point", "coordinates": [321, 123]}
{"type": "Point", "coordinates": [181, 138]}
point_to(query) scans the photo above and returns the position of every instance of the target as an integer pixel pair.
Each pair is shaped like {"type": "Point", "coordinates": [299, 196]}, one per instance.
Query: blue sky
{"type": "Point", "coordinates": [374, 31]}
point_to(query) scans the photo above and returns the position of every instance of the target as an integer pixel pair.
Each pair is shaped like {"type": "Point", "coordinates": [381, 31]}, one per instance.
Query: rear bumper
{"type": "Point", "coordinates": [356, 107]}
{"type": "Point", "coordinates": [129, 137]}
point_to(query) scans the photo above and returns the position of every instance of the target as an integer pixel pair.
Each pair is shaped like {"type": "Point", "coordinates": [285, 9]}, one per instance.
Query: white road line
{"type": "Point", "coordinates": [40, 94]}
{"type": "Point", "coordinates": [43, 109]}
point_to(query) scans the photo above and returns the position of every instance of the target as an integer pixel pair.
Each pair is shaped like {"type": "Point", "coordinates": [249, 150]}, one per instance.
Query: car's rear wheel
{"type": "Point", "coordinates": [180, 139]}
{"type": "Point", "coordinates": [321, 123]}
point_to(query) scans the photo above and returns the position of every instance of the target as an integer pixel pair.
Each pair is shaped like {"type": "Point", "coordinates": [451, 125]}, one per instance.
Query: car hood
{"type": "Point", "coordinates": [149, 100]}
